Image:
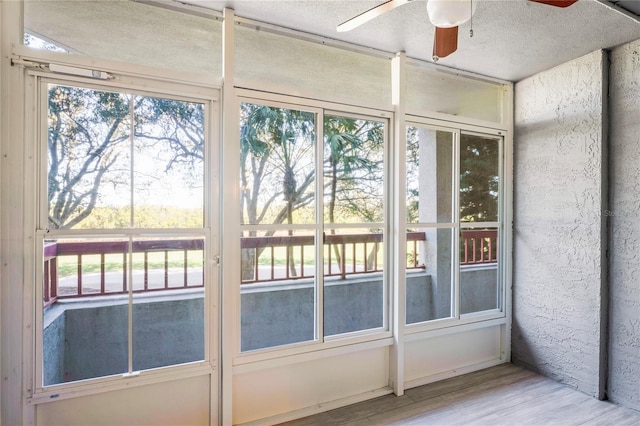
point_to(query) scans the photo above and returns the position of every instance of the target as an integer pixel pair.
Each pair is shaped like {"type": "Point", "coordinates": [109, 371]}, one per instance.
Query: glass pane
{"type": "Point", "coordinates": [479, 178]}
{"type": "Point", "coordinates": [88, 158]}
{"type": "Point", "coordinates": [429, 175]}
{"type": "Point", "coordinates": [85, 323]}
{"type": "Point", "coordinates": [278, 288]}
{"type": "Point", "coordinates": [168, 305]}
{"type": "Point", "coordinates": [354, 288]}
{"type": "Point", "coordinates": [168, 163]}
{"type": "Point", "coordinates": [353, 170]}
{"type": "Point", "coordinates": [429, 274]}
{"type": "Point", "coordinates": [479, 279]}
{"type": "Point", "coordinates": [277, 165]}
{"type": "Point", "coordinates": [39, 43]}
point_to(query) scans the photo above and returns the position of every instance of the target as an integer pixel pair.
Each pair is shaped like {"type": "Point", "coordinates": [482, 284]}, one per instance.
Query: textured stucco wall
{"type": "Point", "coordinates": [624, 216]}
{"type": "Point", "coordinates": [558, 273]}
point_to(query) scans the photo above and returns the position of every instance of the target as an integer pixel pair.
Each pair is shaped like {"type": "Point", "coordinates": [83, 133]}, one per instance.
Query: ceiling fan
{"type": "Point", "coordinates": [445, 15]}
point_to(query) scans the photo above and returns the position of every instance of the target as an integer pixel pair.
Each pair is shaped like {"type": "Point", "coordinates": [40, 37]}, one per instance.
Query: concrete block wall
{"type": "Point", "coordinates": [559, 195]}
{"type": "Point", "coordinates": [624, 224]}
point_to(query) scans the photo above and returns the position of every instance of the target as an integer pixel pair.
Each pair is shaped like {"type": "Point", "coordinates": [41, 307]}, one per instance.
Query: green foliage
{"type": "Point", "coordinates": [91, 157]}
{"type": "Point", "coordinates": [278, 166]}
{"type": "Point", "coordinates": [147, 216]}
{"type": "Point", "coordinates": [87, 136]}
{"type": "Point", "coordinates": [479, 178]}
{"type": "Point", "coordinates": [353, 168]}
{"type": "Point", "coordinates": [276, 162]}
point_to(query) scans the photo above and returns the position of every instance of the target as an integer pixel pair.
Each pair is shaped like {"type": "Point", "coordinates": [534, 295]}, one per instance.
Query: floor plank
{"type": "Point", "coordinates": [501, 395]}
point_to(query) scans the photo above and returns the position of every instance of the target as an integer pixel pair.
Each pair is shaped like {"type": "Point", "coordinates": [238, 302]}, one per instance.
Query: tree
{"type": "Point", "coordinates": [178, 127]}
{"type": "Point", "coordinates": [276, 162]}
{"type": "Point", "coordinates": [87, 135]}
{"type": "Point", "coordinates": [353, 156]}
{"type": "Point", "coordinates": [278, 168]}
{"type": "Point", "coordinates": [90, 134]}
{"type": "Point", "coordinates": [479, 178]}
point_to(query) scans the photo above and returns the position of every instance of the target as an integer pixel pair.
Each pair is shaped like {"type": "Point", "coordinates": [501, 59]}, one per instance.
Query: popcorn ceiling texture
{"type": "Point", "coordinates": [624, 222]}
{"type": "Point", "coordinates": [559, 232]}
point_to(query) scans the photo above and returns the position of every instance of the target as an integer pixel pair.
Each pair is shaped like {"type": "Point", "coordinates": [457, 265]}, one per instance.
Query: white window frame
{"type": "Point", "coordinates": [474, 319]}
{"type": "Point", "coordinates": [231, 210]}
{"type": "Point", "coordinates": [36, 83]}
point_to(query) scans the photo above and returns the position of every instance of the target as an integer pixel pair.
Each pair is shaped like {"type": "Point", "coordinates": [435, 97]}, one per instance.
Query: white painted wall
{"type": "Point", "coordinates": [442, 356]}
{"type": "Point", "coordinates": [559, 234]}
{"type": "Point", "coordinates": [624, 221]}
{"type": "Point", "coordinates": [312, 385]}
{"type": "Point", "coordinates": [11, 220]}
{"type": "Point", "coordinates": [179, 402]}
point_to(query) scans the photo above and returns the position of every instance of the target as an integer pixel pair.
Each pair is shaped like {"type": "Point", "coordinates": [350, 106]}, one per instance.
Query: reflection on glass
{"type": "Point", "coordinates": [38, 43]}
{"type": "Point", "coordinates": [168, 327]}
{"type": "Point", "coordinates": [83, 340]}
{"type": "Point", "coordinates": [479, 289]}
{"type": "Point", "coordinates": [278, 288]}
{"type": "Point", "coordinates": [277, 165]}
{"type": "Point", "coordinates": [429, 274]}
{"type": "Point", "coordinates": [353, 170]}
{"type": "Point", "coordinates": [354, 281]}
{"type": "Point", "coordinates": [479, 178]}
{"type": "Point", "coordinates": [429, 175]}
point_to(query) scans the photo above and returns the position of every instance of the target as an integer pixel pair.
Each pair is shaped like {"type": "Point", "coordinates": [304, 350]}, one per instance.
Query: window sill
{"type": "Point", "coordinates": [118, 382]}
{"type": "Point", "coordinates": [331, 347]}
{"type": "Point", "coordinates": [451, 325]}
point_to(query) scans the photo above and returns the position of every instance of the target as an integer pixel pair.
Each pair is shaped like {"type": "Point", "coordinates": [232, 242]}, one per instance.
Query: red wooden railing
{"type": "Point", "coordinates": [346, 254]}
{"type": "Point", "coordinates": [53, 251]}
{"type": "Point", "coordinates": [478, 246]}
{"type": "Point", "coordinates": [338, 248]}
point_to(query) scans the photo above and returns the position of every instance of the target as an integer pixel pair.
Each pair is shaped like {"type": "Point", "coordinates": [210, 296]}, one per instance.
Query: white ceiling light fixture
{"type": "Point", "coordinates": [450, 13]}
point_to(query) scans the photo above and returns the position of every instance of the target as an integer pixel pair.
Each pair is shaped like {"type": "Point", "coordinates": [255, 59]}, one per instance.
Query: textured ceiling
{"type": "Point", "coordinates": [512, 39]}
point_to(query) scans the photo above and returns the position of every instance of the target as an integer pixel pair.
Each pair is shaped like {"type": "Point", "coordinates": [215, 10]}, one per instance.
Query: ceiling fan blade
{"type": "Point", "coordinates": [445, 42]}
{"type": "Point", "coordinates": [556, 3]}
{"type": "Point", "coordinates": [370, 14]}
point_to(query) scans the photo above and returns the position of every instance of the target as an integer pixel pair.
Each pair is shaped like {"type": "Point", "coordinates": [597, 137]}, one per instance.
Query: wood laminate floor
{"type": "Point", "coordinates": [502, 395]}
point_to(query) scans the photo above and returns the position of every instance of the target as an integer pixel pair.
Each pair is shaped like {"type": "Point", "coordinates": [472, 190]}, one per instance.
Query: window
{"type": "Point", "coordinates": [313, 225]}
{"type": "Point", "coordinates": [430, 224]}
{"type": "Point", "coordinates": [452, 192]}
{"type": "Point", "coordinates": [480, 223]}
{"type": "Point", "coordinates": [123, 232]}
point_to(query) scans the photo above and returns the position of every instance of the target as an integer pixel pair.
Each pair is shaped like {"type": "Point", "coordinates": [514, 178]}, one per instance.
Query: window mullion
{"type": "Point", "coordinates": [130, 306]}
{"type": "Point", "coordinates": [131, 224]}
{"type": "Point", "coordinates": [456, 235]}
{"type": "Point", "coordinates": [320, 226]}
